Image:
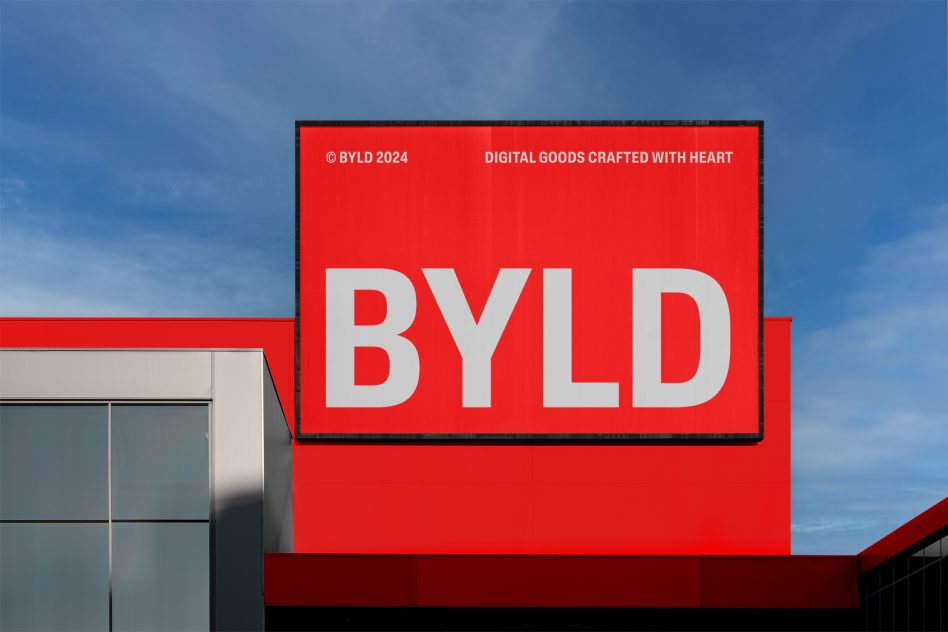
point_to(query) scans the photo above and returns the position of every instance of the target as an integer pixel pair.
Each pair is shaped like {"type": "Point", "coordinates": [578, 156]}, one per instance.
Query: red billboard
{"type": "Point", "coordinates": [547, 281]}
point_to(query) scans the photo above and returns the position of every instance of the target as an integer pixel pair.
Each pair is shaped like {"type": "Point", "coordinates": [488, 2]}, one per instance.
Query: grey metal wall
{"type": "Point", "coordinates": [278, 473]}
{"type": "Point", "coordinates": [244, 410]}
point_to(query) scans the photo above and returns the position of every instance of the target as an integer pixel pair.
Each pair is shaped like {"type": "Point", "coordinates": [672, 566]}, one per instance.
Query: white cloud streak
{"type": "Point", "coordinates": [871, 416]}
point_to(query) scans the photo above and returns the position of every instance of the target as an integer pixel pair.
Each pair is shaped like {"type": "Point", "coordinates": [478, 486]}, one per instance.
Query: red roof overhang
{"type": "Point", "coordinates": [930, 521]}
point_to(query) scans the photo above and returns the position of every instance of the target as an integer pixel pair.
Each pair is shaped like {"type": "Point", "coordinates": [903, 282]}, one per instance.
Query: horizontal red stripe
{"type": "Point", "coordinates": [566, 581]}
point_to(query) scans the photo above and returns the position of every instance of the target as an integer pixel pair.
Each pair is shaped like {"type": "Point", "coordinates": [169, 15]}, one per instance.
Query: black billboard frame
{"type": "Point", "coordinates": [540, 438]}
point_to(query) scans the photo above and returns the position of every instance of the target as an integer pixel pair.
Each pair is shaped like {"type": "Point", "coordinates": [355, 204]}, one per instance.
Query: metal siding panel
{"type": "Point", "coordinates": [46, 374]}
{"type": "Point", "coordinates": [237, 489]}
{"type": "Point", "coordinates": [278, 473]}
{"type": "Point", "coordinates": [273, 335]}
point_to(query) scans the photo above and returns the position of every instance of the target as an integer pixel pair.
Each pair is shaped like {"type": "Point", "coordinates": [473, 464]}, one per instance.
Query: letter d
{"type": "Point", "coordinates": [648, 390]}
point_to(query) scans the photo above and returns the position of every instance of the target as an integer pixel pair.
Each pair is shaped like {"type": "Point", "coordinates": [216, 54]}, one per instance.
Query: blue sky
{"type": "Point", "coordinates": [146, 169]}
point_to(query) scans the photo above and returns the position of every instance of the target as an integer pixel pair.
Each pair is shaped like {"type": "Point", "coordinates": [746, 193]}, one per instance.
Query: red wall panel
{"type": "Point", "coordinates": [294, 580]}
{"type": "Point", "coordinates": [801, 581]}
{"type": "Point", "coordinates": [535, 581]}
{"type": "Point", "coordinates": [555, 499]}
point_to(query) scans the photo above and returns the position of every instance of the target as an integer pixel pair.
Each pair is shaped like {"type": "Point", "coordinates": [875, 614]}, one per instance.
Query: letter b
{"type": "Point", "coordinates": [343, 336]}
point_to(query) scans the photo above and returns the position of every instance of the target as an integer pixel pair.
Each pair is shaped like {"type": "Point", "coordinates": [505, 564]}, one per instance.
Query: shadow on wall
{"type": "Point", "coordinates": [237, 562]}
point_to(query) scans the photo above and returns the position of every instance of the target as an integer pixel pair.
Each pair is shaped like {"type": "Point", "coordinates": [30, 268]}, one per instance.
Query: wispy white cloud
{"type": "Point", "coordinates": [870, 422]}
{"type": "Point", "coordinates": [174, 196]}
{"type": "Point", "coordinates": [836, 527]}
{"type": "Point", "coordinates": [144, 272]}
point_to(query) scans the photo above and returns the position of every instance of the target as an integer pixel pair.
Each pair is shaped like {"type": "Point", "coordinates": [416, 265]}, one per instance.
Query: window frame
{"type": "Point", "coordinates": [108, 403]}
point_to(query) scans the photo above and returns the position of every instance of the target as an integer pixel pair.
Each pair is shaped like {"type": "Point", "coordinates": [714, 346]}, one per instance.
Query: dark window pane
{"type": "Point", "coordinates": [943, 571]}
{"type": "Point", "coordinates": [53, 462]}
{"type": "Point", "coordinates": [916, 560]}
{"type": "Point", "coordinates": [885, 575]}
{"type": "Point", "coordinates": [934, 596]}
{"type": "Point", "coordinates": [159, 462]}
{"type": "Point", "coordinates": [885, 609]}
{"type": "Point", "coordinates": [872, 612]}
{"type": "Point", "coordinates": [916, 602]}
{"type": "Point", "coordinates": [899, 568]}
{"type": "Point", "coordinates": [900, 606]}
{"type": "Point", "coordinates": [160, 576]}
{"type": "Point", "coordinates": [54, 576]}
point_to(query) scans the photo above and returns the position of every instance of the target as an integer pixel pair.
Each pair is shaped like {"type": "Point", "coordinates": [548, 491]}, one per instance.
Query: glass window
{"type": "Point", "coordinates": [53, 462]}
{"type": "Point", "coordinates": [886, 573]}
{"type": "Point", "coordinates": [916, 560]}
{"type": "Point", "coordinates": [932, 551]}
{"type": "Point", "coordinates": [160, 576]}
{"type": "Point", "coordinates": [54, 576]}
{"type": "Point", "coordinates": [935, 597]}
{"type": "Point", "coordinates": [159, 462]}
{"type": "Point", "coordinates": [916, 602]}
{"type": "Point", "coordinates": [900, 568]}
{"type": "Point", "coordinates": [885, 609]}
{"type": "Point", "coordinates": [943, 571]}
{"type": "Point", "coordinates": [875, 613]}
{"type": "Point", "coordinates": [900, 606]}
{"type": "Point", "coordinates": [54, 503]}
